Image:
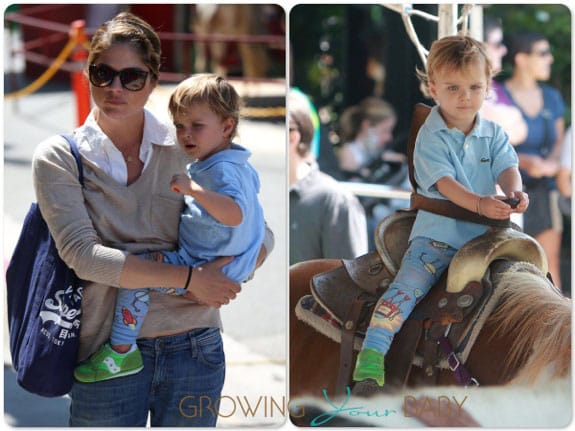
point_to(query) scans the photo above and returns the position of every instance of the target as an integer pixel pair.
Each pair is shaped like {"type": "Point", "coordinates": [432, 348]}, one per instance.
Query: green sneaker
{"type": "Point", "coordinates": [108, 364]}
{"type": "Point", "coordinates": [369, 365]}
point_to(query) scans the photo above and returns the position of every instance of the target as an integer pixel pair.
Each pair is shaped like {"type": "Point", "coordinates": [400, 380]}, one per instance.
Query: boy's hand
{"type": "Point", "coordinates": [494, 207]}
{"type": "Point", "coordinates": [181, 183]}
{"type": "Point", "coordinates": [523, 201]}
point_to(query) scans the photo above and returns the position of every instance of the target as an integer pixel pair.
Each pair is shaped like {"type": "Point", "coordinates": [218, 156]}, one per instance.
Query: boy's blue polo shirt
{"type": "Point", "coordinates": [202, 238]}
{"type": "Point", "coordinates": [475, 161]}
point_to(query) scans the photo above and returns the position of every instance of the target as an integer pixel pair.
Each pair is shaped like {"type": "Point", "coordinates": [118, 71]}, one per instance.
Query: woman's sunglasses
{"type": "Point", "coordinates": [132, 78]}
{"type": "Point", "coordinates": [542, 52]}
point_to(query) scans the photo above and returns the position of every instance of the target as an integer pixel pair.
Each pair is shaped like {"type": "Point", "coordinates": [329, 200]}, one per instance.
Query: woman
{"type": "Point", "coordinates": [497, 106]}
{"type": "Point", "coordinates": [127, 207]}
{"type": "Point", "coordinates": [366, 129]}
{"type": "Point", "coordinates": [542, 107]}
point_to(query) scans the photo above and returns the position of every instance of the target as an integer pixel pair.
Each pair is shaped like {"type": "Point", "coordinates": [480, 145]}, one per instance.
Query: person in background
{"type": "Point", "coordinates": [325, 220]}
{"type": "Point", "coordinates": [542, 108]}
{"type": "Point", "coordinates": [564, 181]}
{"type": "Point", "coordinates": [498, 107]}
{"type": "Point", "coordinates": [365, 130]}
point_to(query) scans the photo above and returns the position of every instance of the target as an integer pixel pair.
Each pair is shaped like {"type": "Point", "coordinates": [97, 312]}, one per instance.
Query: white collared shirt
{"type": "Point", "coordinates": [95, 145]}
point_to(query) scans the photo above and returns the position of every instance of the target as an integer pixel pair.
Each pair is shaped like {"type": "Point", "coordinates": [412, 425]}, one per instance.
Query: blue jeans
{"type": "Point", "coordinates": [422, 265]}
{"type": "Point", "coordinates": [180, 386]}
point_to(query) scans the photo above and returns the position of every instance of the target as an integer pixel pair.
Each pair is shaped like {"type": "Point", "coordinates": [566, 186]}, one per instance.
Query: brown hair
{"type": "Point", "coordinates": [372, 109]}
{"type": "Point", "coordinates": [300, 113]}
{"type": "Point", "coordinates": [215, 91]}
{"type": "Point", "coordinates": [522, 42]}
{"type": "Point", "coordinates": [454, 52]}
{"type": "Point", "coordinates": [129, 29]}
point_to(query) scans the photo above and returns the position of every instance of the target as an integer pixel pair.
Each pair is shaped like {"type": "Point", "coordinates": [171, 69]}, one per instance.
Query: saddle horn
{"type": "Point", "coordinates": [472, 260]}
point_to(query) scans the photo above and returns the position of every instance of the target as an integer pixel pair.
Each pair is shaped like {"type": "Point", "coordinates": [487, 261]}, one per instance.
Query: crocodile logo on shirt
{"type": "Point", "coordinates": [485, 160]}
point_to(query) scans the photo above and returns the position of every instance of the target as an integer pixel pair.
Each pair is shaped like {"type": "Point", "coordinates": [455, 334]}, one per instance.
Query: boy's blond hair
{"type": "Point", "coordinates": [215, 91]}
{"type": "Point", "coordinates": [455, 53]}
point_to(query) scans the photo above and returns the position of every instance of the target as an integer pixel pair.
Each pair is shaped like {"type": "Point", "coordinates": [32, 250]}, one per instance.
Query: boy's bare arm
{"type": "Point", "coordinates": [510, 182]}
{"type": "Point", "coordinates": [456, 193]}
{"type": "Point", "coordinates": [223, 208]}
{"type": "Point", "coordinates": [488, 206]}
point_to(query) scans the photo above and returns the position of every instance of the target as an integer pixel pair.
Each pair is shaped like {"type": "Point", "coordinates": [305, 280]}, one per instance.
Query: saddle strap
{"type": "Point", "coordinates": [399, 358]}
{"type": "Point", "coordinates": [447, 208]}
{"type": "Point", "coordinates": [462, 375]}
{"type": "Point", "coordinates": [346, 351]}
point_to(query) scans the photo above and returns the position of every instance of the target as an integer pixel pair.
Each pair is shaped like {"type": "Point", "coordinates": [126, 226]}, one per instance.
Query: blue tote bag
{"type": "Point", "coordinates": [44, 307]}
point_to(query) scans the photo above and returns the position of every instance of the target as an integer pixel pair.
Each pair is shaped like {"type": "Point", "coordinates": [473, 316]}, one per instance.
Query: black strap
{"type": "Point", "coordinates": [346, 351]}
{"type": "Point", "coordinates": [76, 154]}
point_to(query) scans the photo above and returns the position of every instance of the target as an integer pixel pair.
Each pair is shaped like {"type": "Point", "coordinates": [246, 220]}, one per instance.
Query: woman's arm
{"type": "Point", "coordinates": [559, 138]}
{"type": "Point", "coordinates": [538, 167]}
{"type": "Point", "coordinates": [564, 175]}
{"type": "Point", "coordinates": [509, 118]}
{"type": "Point", "coordinates": [207, 285]}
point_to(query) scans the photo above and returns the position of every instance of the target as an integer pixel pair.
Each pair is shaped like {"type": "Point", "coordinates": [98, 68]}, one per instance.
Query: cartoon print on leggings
{"type": "Point", "coordinates": [128, 317]}
{"type": "Point", "coordinates": [387, 313]}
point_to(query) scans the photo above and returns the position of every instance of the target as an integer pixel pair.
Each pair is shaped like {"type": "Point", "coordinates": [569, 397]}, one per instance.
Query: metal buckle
{"type": "Point", "coordinates": [457, 363]}
{"type": "Point", "coordinates": [474, 382]}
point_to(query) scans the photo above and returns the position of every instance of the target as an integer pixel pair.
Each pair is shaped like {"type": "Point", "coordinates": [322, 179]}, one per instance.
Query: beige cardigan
{"type": "Point", "coordinates": [94, 228]}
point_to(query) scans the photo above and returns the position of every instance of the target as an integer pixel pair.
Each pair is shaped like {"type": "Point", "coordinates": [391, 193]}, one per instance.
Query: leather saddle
{"type": "Point", "coordinates": [342, 300]}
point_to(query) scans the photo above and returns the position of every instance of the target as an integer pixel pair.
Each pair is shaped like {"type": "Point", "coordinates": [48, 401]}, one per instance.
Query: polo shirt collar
{"type": "Point", "coordinates": [481, 128]}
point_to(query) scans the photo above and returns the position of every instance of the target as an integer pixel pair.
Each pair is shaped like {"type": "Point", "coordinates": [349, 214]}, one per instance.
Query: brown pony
{"type": "Point", "coordinates": [529, 332]}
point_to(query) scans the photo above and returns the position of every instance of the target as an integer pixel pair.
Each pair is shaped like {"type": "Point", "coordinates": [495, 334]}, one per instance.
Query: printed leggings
{"type": "Point", "coordinates": [422, 265]}
{"type": "Point", "coordinates": [131, 308]}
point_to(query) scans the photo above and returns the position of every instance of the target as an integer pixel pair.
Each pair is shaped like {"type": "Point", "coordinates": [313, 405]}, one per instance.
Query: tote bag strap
{"type": "Point", "coordinates": [76, 154]}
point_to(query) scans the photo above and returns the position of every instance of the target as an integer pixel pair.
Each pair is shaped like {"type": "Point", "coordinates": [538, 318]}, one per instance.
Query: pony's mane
{"type": "Point", "coordinates": [539, 316]}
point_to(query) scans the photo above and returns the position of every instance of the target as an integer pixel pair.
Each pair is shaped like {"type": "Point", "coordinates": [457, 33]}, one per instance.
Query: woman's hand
{"type": "Point", "coordinates": [209, 286]}
{"type": "Point", "coordinates": [538, 167]}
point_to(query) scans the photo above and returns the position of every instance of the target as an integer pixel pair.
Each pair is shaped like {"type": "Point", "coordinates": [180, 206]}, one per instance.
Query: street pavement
{"type": "Point", "coordinates": [255, 324]}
